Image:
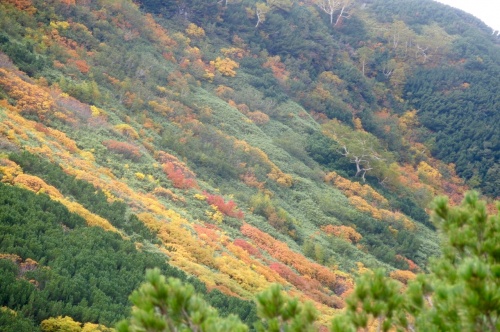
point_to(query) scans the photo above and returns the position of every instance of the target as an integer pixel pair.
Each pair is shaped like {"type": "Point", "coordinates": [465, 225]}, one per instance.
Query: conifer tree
{"type": "Point", "coordinates": [461, 292]}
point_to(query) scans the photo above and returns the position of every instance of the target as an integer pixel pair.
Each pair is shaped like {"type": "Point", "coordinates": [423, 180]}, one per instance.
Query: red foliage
{"type": "Point", "coordinates": [125, 149]}
{"type": "Point", "coordinates": [211, 236]}
{"type": "Point", "coordinates": [228, 208]}
{"type": "Point", "coordinates": [281, 252]}
{"type": "Point", "coordinates": [178, 177]}
{"type": "Point", "coordinates": [411, 264]}
{"type": "Point", "coordinates": [247, 247]}
{"type": "Point", "coordinates": [311, 287]}
{"type": "Point", "coordinates": [288, 274]}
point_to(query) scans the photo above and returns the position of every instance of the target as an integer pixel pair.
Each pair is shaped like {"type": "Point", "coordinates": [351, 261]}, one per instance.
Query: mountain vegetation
{"type": "Point", "coordinates": [235, 145]}
{"type": "Point", "coordinates": [460, 293]}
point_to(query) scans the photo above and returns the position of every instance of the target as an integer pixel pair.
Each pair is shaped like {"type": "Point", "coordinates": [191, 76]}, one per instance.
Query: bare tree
{"type": "Point", "coordinates": [361, 148]}
{"type": "Point", "coordinates": [362, 161]}
{"type": "Point", "coordinates": [261, 9]}
{"type": "Point", "coordinates": [333, 6]}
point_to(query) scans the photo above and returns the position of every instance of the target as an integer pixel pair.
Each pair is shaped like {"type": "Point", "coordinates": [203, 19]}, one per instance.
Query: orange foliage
{"type": "Point", "coordinates": [281, 252]}
{"type": "Point", "coordinates": [234, 52]}
{"type": "Point", "coordinates": [82, 66]}
{"type": "Point", "coordinates": [255, 265]}
{"type": "Point", "coordinates": [37, 185]}
{"type": "Point", "coordinates": [24, 5]}
{"type": "Point", "coordinates": [355, 188]}
{"type": "Point", "coordinates": [411, 264]}
{"type": "Point", "coordinates": [125, 149]}
{"type": "Point", "coordinates": [247, 247]}
{"type": "Point", "coordinates": [258, 117]}
{"type": "Point", "coordinates": [403, 276]}
{"type": "Point", "coordinates": [223, 91]}
{"type": "Point", "coordinates": [311, 287]}
{"type": "Point", "coordinates": [30, 98]}
{"type": "Point", "coordinates": [158, 34]}
{"type": "Point", "coordinates": [277, 67]}
{"type": "Point", "coordinates": [251, 180]}
{"type": "Point", "coordinates": [367, 200]}
{"type": "Point", "coordinates": [284, 180]}
{"type": "Point", "coordinates": [160, 191]}
{"type": "Point", "coordinates": [212, 237]}
{"type": "Point", "coordinates": [345, 232]}
{"type": "Point", "coordinates": [68, 143]}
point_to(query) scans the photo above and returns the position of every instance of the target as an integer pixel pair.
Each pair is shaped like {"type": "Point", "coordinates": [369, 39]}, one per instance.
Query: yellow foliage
{"type": "Point", "coordinates": [59, 25]}
{"type": "Point", "coordinates": [91, 327]}
{"type": "Point", "coordinates": [195, 31]}
{"type": "Point", "coordinates": [356, 189]}
{"type": "Point", "coordinates": [10, 170]}
{"type": "Point", "coordinates": [60, 324]}
{"type": "Point", "coordinates": [329, 77]}
{"type": "Point", "coordinates": [225, 66]}
{"type": "Point", "coordinates": [403, 276]}
{"type": "Point", "coordinates": [408, 120]}
{"type": "Point", "coordinates": [345, 232]}
{"type": "Point", "coordinates": [427, 173]}
{"type": "Point", "coordinates": [362, 269]}
{"type": "Point", "coordinates": [160, 191]}
{"type": "Point", "coordinates": [96, 111]}
{"type": "Point", "coordinates": [283, 179]}
{"type": "Point", "coordinates": [234, 52]}
{"type": "Point", "coordinates": [215, 214]}
{"type": "Point", "coordinates": [87, 155]}
{"type": "Point", "coordinates": [200, 197]}
{"type": "Point", "coordinates": [357, 124]}
{"type": "Point", "coordinates": [91, 218]}
{"type": "Point", "coordinates": [209, 75]}
{"type": "Point", "coordinates": [37, 185]}
{"type": "Point", "coordinates": [161, 108]}
{"type": "Point", "coordinates": [11, 257]}
{"type": "Point", "coordinates": [126, 130]}
{"type": "Point", "coordinates": [239, 271]}
{"type": "Point", "coordinates": [140, 176]}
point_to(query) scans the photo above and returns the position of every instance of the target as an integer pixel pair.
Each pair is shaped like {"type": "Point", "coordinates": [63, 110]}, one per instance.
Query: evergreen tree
{"type": "Point", "coordinates": [462, 292]}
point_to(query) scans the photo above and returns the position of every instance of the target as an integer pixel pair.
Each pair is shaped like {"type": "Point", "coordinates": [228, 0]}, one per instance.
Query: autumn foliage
{"type": "Point", "coordinates": [247, 247]}
{"type": "Point", "coordinates": [344, 232]}
{"type": "Point", "coordinates": [283, 253]}
{"type": "Point", "coordinates": [178, 177]}
{"type": "Point", "coordinates": [403, 276]}
{"type": "Point", "coordinates": [229, 208]}
{"type": "Point", "coordinates": [125, 149]}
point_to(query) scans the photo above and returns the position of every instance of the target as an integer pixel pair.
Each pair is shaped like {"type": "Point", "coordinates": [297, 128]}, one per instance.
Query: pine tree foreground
{"type": "Point", "coordinates": [460, 293]}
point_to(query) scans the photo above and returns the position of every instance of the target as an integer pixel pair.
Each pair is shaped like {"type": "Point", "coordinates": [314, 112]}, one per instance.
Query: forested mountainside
{"type": "Point", "coordinates": [232, 144]}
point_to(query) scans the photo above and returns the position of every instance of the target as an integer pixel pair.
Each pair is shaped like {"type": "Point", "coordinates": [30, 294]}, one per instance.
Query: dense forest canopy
{"type": "Point", "coordinates": [233, 145]}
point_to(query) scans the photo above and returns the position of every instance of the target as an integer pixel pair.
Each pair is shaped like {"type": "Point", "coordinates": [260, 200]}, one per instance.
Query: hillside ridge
{"type": "Point", "coordinates": [247, 143]}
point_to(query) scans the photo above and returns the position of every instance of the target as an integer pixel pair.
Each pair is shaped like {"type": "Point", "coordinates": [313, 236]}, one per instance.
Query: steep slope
{"type": "Point", "coordinates": [246, 143]}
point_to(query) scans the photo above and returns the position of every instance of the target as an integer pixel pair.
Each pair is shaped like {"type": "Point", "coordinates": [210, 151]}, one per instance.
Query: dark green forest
{"type": "Point", "coordinates": [82, 272]}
